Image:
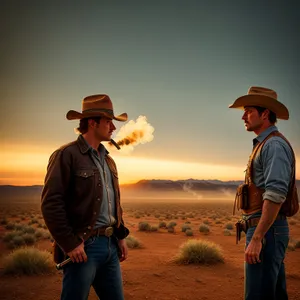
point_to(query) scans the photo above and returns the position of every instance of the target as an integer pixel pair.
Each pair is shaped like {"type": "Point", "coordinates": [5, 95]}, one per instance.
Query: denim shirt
{"type": "Point", "coordinates": [272, 167]}
{"type": "Point", "coordinates": [107, 211]}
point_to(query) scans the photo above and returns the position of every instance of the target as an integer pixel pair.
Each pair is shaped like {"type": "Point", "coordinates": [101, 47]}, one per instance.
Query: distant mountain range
{"type": "Point", "coordinates": [194, 187]}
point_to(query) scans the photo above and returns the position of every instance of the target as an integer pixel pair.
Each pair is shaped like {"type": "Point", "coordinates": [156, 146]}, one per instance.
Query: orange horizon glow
{"type": "Point", "coordinates": [28, 167]}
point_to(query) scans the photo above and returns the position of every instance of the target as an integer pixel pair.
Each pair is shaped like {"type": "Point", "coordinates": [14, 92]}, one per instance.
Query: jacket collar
{"type": "Point", "coordinates": [85, 147]}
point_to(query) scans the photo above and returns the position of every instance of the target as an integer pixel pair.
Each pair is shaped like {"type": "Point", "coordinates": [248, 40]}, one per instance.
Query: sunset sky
{"type": "Point", "coordinates": [179, 63]}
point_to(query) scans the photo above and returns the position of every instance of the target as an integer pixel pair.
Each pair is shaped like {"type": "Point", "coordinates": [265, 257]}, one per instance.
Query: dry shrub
{"type": "Point", "coordinates": [4, 221]}
{"type": "Point", "coordinates": [162, 224]}
{"type": "Point", "coordinates": [204, 228]}
{"type": "Point", "coordinates": [206, 222]}
{"type": "Point", "coordinates": [293, 244]}
{"type": "Point", "coordinates": [185, 227]}
{"type": "Point", "coordinates": [10, 226]}
{"type": "Point", "coordinates": [196, 251]}
{"type": "Point", "coordinates": [144, 226]}
{"type": "Point", "coordinates": [28, 261]}
{"type": "Point", "coordinates": [29, 238]}
{"type": "Point", "coordinates": [189, 232]}
{"type": "Point", "coordinates": [171, 229]}
{"type": "Point", "coordinates": [132, 242]}
{"type": "Point", "coordinates": [28, 229]}
{"type": "Point", "coordinates": [18, 241]}
{"type": "Point", "coordinates": [229, 226]}
{"type": "Point", "coordinates": [171, 224]}
{"type": "Point", "coordinates": [10, 235]}
{"type": "Point", "coordinates": [42, 234]}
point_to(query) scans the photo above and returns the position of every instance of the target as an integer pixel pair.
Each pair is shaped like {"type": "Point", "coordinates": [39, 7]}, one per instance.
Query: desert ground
{"type": "Point", "coordinates": [150, 271]}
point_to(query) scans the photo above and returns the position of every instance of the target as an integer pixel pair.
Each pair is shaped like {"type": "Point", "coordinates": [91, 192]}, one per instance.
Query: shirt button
{"type": "Point", "coordinates": [89, 227]}
{"type": "Point", "coordinates": [94, 212]}
{"type": "Point", "coordinates": [84, 233]}
{"type": "Point", "coordinates": [98, 199]}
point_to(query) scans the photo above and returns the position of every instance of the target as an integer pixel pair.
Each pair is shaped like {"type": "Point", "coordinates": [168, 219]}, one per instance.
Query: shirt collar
{"type": "Point", "coordinates": [264, 134]}
{"type": "Point", "coordinates": [101, 148]}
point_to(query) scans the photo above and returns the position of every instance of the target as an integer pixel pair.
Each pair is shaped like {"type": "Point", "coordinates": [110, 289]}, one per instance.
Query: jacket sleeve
{"type": "Point", "coordinates": [53, 200]}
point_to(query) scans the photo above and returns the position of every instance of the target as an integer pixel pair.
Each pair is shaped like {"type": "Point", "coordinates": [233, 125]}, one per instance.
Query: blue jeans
{"type": "Point", "coordinates": [102, 271]}
{"type": "Point", "coordinates": [266, 280]}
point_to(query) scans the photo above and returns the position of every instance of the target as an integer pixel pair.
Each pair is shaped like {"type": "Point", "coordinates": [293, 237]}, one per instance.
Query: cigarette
{"type": "Point", "coordinates": [115, 144]}
{"type": "Point", "coordinates": [60, 265]}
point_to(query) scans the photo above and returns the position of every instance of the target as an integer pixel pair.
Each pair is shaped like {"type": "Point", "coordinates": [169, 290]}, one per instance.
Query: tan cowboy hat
{"type": "Point", "coordinates": [263, 97]}
{"type": "Point", "coordinates": [96, 106]}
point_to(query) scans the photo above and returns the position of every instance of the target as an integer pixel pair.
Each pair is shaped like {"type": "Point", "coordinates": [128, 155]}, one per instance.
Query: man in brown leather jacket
{"type": "Point", "coordinates": [81, 205]}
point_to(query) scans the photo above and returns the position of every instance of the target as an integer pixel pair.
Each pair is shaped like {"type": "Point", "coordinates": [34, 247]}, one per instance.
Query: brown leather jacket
{"type": "Point", "coordinates": [72, 195]}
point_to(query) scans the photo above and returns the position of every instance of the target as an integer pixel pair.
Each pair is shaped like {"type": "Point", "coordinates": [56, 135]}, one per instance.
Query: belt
{"type": "Point", "coordinates": [106, 231]}
{"type": "Point", "coordinates": [244, 225]}
{"type": "Point", "coordinates": [254, 221]}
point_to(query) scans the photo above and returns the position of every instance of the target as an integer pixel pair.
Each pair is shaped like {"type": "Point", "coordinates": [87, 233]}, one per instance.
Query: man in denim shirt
{"type": "Point", "coordinates": [272, 172]}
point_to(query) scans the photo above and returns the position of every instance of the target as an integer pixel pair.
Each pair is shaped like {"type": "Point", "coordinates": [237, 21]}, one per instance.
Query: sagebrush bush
{"type": "Point", "coordinates": [291, 247]}
{"type": "Point", "coordinates": [196, 251]}
{"type": "Point", "coordinates": [162, 224]}
{"type": "Point", "coordinates": [133, 242]}
{"type": "Point", "coordinates": [10, 226]}
{"type": "Point", "coordinates": [28, 261]}
{"type": "Point", "coordinates": [19, 227]}
{"type": "Point", "coordinates": [204, 228]}
{"type": "Point", "coordinates": [189, 232]}
{"type": "Point", "coordinates": [10, 235]}
{"type": "Point", "coordinates": [144, 226]}
{"type": "Point", "coordinates": [29, 238]}
{"type": "Point", "coordinates": [28, 229]}
{"type": "Point", "coordinates": [171, 224]}
{"type": "Point", "coordinates": [185, 227]}
{"type": "Point", "coordinates": [18, 241]}
{"type": "Point", "coordinates": [42, 233]}
{"type": "Point", "coordinates": [229, 226]}
{"type": "Point", "coordinates": [171, 229]}
{"type": "Point", "coordinates": [4, 221]}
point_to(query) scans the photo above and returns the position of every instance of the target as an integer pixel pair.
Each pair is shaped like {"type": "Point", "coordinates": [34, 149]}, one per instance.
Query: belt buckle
{"type": "Point", "coordinates": [109, 231]}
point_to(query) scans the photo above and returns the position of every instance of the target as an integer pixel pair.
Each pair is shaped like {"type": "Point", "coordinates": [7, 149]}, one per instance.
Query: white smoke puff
{"type": "Point", "coordinates": [138, 132]}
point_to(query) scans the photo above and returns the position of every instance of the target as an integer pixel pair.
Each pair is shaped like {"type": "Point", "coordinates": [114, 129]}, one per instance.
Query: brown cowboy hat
{"type": "Point", "coordinates": [263, 97]}
{"type": "Point", "coordinates": [96, 106]}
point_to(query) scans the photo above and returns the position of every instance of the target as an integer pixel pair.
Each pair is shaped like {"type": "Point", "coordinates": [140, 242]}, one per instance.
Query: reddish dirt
{"type": "Point", "coordinates": [149, 272]}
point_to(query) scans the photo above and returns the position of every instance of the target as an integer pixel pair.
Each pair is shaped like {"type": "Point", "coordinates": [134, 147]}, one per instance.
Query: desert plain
{"type": "Point", "coordinates": [150, 272]}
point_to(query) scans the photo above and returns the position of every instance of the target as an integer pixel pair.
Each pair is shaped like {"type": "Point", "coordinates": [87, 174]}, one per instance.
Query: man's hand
{"type": "Point", "coordinates": [253, 251]}
{"type": "Point", "coordinates": [124, 250]}
{"type": "Point", "coordinates": [78, 254]}
{"type": "Point", "coordinates": [270, 211]}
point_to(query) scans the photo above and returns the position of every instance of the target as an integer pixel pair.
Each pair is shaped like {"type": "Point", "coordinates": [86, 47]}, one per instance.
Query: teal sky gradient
{"type": "Point", "coordinates": [180, 63]}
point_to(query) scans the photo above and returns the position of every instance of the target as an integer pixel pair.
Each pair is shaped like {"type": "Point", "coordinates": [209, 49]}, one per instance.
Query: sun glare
{"type": "Point", "coordinates": [29, 168]}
